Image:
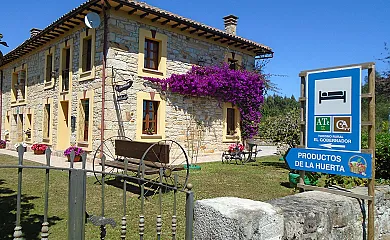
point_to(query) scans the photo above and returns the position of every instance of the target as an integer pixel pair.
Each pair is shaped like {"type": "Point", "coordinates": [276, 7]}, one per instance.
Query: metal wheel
{"type": "Point", "coordinates": [107, 148]}
{"type": "Point", "coordinates": [169, 156]}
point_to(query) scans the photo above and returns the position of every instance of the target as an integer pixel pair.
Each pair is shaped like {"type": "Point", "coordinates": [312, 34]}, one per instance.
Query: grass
{"type": "Point", "coordinates": [262, 180]}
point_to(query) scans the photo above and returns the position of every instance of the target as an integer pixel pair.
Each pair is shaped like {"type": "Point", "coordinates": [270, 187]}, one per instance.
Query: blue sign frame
{"type": "Point", "coordinates": [333, 110]}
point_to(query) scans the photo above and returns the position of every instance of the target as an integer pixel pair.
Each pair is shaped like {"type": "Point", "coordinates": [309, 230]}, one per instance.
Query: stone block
{"type": "Point", "coordinates": [228, 218]}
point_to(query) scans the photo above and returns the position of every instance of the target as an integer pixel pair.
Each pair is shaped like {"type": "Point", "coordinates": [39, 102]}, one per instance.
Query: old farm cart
{"type": "Point", "coordinates": [79, 215]}
{"type": "Point", "coordinates": [145, 160]}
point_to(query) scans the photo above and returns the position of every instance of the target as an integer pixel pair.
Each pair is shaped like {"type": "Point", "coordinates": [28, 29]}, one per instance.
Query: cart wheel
{"type": "Point", "coordinates": [174, 163]}
{"type": "Point", "coordinates": [107, 149]}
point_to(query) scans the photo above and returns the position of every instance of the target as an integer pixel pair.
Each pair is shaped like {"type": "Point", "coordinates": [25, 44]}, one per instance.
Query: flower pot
{"type": "Point", "coordinates": [77, 158]}
{"type": "Point", "coordinates": [39, 152]}
{"type": "Point", "coordinates": [294, 179]}
{"type": "Point", "coordinates": [2, 146]}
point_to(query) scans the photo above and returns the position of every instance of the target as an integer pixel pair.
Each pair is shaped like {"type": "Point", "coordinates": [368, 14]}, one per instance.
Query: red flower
{"type": "Point", "coordinates": [39, 147]}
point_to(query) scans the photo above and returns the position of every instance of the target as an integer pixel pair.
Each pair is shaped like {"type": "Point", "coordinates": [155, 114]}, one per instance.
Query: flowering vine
{"type": "Point", "coordinates": [242, 88]}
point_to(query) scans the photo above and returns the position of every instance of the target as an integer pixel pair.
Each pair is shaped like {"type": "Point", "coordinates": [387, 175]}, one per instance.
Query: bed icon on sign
{"type": "Point", "coordinates": [332, 95]}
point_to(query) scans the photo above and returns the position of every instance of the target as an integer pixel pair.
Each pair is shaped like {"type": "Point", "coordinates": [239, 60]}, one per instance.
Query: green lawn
{"type": "Point", "coordinates": [262, 180]}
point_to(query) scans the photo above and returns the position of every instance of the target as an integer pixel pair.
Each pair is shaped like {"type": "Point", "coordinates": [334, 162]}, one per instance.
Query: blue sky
{"type": "Point", "coordinates": [303, 34]}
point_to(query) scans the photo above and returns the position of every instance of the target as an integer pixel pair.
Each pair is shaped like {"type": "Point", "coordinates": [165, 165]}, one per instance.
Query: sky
{"type": "Point", "coordinates": [303, 34]}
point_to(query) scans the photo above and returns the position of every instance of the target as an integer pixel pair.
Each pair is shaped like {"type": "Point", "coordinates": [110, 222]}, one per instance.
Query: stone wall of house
{"type": "Point", "coordinates": [182, 113]}
{"type": "Point", "coordinates": [309, 215]}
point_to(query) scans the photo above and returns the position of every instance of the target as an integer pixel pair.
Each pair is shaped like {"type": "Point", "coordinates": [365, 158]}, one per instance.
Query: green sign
{"type": "Point", "coordinates": [322, 124]}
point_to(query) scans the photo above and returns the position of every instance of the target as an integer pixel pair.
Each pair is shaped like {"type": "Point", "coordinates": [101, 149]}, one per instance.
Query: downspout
{"type": "Point", "coordinates": [1, 100]}
{"type": "Point", "coordinates": [103, 73]}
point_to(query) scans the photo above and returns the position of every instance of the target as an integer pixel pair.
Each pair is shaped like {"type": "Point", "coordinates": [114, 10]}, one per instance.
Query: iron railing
{"type": "Point", "coordinates": [77, 200]}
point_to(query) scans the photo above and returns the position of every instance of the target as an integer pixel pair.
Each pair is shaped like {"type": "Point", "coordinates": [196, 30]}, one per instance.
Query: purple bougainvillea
{"type": "Point", "coordinates": [242, 88]}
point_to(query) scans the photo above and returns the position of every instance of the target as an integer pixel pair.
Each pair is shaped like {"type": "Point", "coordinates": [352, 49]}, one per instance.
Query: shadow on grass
{"type": "Point", "coordinates": [31, 223]}
{"type": "Point", "coordinates": [281, 165]}
{"type": "Point", "coordinates": [134, 187]}
{"type": "Point", "coordinates": [286, 184]}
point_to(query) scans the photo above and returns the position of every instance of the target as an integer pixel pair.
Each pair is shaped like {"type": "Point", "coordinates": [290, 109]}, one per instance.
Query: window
{"type": "Point", "coordinates": [233, 60]}
{"type": "Point", "coordinates": [149, 117]}
{"type": "Point", "coordinates": [233, 64]}
{"type": "Point", "coordinates": [19, 87]}
{"type": "Point", "coordinates": [87, 55]}
{"type": "Point", "coordinates": [28, 127]}
{"type": "Point", "coordinates": [46, 121]}
{"type": "Point", "coordinates": [65, 70]}
{"type": "Point", "coordinates": [151, 54]}
{"type": "Point", "coordinates": [49, 76]}
{"type": "Point", "coordinates": [49, 67]}
{"type": "Point", "coordinates": [65, 79]}
{"type": "Point", "coordinates": [19, 127]}
{"type": "Point", "coordinates": [84, 120]}
{"type": "Point", "coordinates": [230, 121]}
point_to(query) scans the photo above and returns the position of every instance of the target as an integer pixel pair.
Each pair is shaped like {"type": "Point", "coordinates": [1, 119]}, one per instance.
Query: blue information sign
{"type": "Point", "coordinates": [332, 162]}
{"type": "Point", "coordinates": [333, 110]}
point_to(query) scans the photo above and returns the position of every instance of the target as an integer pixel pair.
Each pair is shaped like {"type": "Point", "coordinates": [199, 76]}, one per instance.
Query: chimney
{"type": "Point", "coordinates": [34, 32]}
{"type": "Point", "coordinates": [230, 24]}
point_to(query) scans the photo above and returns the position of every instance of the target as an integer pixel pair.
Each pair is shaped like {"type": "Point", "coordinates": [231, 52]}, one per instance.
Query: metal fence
{"type": "Point", "coordinates": [77, 214]}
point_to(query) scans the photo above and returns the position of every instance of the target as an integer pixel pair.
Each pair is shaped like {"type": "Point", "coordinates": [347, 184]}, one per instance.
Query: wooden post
{"type": "Point", "coordinates": [303, 126]}
{"type": "Point", "coordinates": [371, 146]}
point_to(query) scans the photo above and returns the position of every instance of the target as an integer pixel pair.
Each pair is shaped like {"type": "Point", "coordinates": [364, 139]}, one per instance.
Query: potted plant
{"type": "Point", "coordinates": [3, 143]}
{"type": "Point", "coordinates": [39, 148]}
{"type": "Point", "coordinates": [311, 178]}
{"type": "Point", "coordinates": [23, 144]}
{"type": "Point", "coordinates": [236, 147]}
{"type": "Point", "coordinates": [149, 131]}
{"type": "Point", "coordinates": [77, 150]}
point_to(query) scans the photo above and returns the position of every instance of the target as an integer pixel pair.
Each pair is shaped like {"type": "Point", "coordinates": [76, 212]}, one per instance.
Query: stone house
{"type": "Point", "coordinates": [52, 83]}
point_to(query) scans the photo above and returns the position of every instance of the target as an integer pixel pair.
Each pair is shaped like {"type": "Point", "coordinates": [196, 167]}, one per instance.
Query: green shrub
{"type": "Point", "coordinates": [344, 181]}
{"type": "Point", "coordinates": [382, 156]}
{"type": "Point", "coordinates": [284, 128]}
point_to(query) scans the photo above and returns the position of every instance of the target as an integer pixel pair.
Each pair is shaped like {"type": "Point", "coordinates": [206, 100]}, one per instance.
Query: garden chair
{"type": "Point", "coordinates": [250, 155]}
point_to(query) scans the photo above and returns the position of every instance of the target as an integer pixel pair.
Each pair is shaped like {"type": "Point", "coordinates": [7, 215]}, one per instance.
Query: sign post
{"type": "Point", "coordinates": [331, 136]}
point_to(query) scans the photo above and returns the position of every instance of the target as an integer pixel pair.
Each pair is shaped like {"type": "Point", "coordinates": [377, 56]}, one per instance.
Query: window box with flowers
{"type": "Point", "coordinates": [39, 148]}
{"type": "Point", "coordinates": [3, 144]}
{"type": "Point", "coordinates": [77, 150]}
